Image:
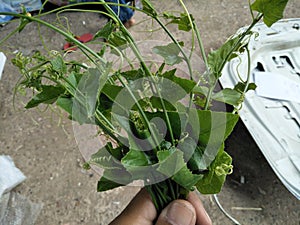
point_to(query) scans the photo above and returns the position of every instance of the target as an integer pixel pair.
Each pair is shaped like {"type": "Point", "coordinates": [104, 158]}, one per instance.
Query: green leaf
{"type": "Point", "coordinates": [106, 184]}
{"type": "Point", "coordinates": [182, 21]}
{"type": "Point", "coordinates": [240, 87]}
{"type": "Point", "coordinates": [133, 78]}
{"type": "Point", "coordinates": [186, 84]}
{"type": "Point", "coordinates": [196, 164]}
{"type": "Point", "coordinates": [120, 97]}
{"type": "Point", "coordinates": [105, 106]}
{"type": "Point", "coordinates": [72, 81]}
{"type": "Point", "coordinates": [170, 91]}
{"type": "Point", "coordinates": [48, 95]}
{"type": "Point", "coordinates": [102, 51]}
{"type": "Point", "coordinates": [177, 121]}
{"type": "Point", "coordinates": [201, 90]}
{"type": "Point", "coordinates": [187, 145]}
{"type": "Point", "coordinates": [272, 10]}
{"type": "Point", "coordinates": [200, 101]}
{"type": "Point", "coordinates": [111, 91]}
{"type": "Point", "coordinates": [66, 104]}
{"type": "Point", "coordinates": [106, 31]}
{"type": "Point", "coordinates": [132, 75]}
{"type": "Point", "coordinates": [215, 127]}
{"type": "Point", "coordinates": [170, 53]}
{"type": "Point", "coordinates": [113, 178]}
{"type": "Point", "coordinates": [170, 161]}
{"type": "Point", "coordinates": [228, 96]}
{"type": "Point", "coordinates": [172, 164]}
{"type": "Point", "coordinates": [107, 157]}
{"type": "Point", "coordinates": [186, 178]}
{"type": "Point", "coordinates": [118, 39]}
{"type": "Point", "coordinates": [201, 95]}
{"type": "Point", "coordinates": [139, 165]}
{"type": "Point", "coordinates": [89, 88]}
{"type": "Point", "coordinates": [135, 158]}
{"type": "Point", "coordinates": [58, 65]}
{"type": "Point", "coordinates": [171, 88]}
{"type": "Point", "coordinates": [156, 103]}
{"type": "Point", "coordinates": [76, 111]}
{"type": "Point", "coordinates": [213, 181]}
{"type": "Point", "coordinates": [217, 59]}
{"type": "Point", "coordinates": [135, 142]}
{"type": "Point", "coordinates": [116, 153]}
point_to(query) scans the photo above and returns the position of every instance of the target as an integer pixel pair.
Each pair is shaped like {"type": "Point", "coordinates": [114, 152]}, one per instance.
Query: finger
{"type": "Point", "coordinates": [178, 212]}
{"type": "Point", "coordinates": [201, 214]}
{"type": "Point", "coordinates": [140, 210]}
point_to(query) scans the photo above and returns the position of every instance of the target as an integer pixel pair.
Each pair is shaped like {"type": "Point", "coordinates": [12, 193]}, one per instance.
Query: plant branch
{"type": "Point", "coordinates": [242, 36]}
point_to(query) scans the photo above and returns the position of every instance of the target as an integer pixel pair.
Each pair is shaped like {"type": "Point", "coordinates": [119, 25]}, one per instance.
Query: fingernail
{"type": "Point", "coordinates": [180, 214]}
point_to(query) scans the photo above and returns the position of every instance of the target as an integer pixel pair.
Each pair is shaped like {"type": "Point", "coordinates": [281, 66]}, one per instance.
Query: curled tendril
{"type": "Point", "coordinates": [224, 169]}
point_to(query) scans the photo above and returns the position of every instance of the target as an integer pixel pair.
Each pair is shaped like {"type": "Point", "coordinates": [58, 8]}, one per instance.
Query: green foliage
{"type": "Point", "coordinates": [106, 184]}
{"type": "Point", "coordinates": [228, 96]}
{"type": "Point", "coordinates": [271, 9]}
{"type": "Point", "coordinates": [183, 21]}
{"type": "Point", "coordinates": [215, 127]}
{"type": "Point", "coordinates": [104, 159]}
{"type": "Point", "coordinates": [135, 158]}
{"type": "Point", "coordinates": [106, 31]}
{"type": "Point", "coordinates": [48, 95]}
{"type": "Point", "coordinates": [58, 65]}
{"type": "Point", "coordinates": [154, 133]}
{"type": "Point", "coordinates": [213, 181]}
{"type": "Point", "coordinates": [170, 53]}
{"type": "Point", "coordinates": [108, 181]}
{"type": "Point", "coordinates": [172, 164]}
{"type": "Point", "coordinates": [185, 84]}
{"type": "Point", "coordinates": [242, 87]}
{"type": "Point", "coordinates": [218, 58]}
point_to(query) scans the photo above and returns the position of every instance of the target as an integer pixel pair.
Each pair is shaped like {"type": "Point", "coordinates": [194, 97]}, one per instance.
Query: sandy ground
{"type": "Point", "coordinates": [44, 148]}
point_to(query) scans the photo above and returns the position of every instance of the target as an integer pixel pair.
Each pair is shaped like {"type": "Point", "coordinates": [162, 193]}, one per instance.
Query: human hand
{"type": "Point", "coordinates": [141, 211]}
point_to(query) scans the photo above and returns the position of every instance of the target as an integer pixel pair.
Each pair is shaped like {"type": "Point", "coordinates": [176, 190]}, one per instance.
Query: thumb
{"type": "Point", "coordinates": [178, 212]}
{"type": "Point", "coordinates": [140, 211]}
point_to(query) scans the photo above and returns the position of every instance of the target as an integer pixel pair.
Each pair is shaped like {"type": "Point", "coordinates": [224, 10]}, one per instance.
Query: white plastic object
{"type": "Point", "coordinates": [10, 175]}
{"type": "Point", "coordinates": [2, 63]}
{"type": "Point", "coordinates": [272, 112]}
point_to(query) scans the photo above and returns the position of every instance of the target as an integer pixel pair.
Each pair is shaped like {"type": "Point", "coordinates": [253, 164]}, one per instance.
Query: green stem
{"type": "Point", "coordinates": [202, 51]}
{"type": "Point", "coordinates": [164, 192]}
{"type": "Point", "coordinates": [186, 58]}
{"type": "Point", "coordinates": [152, 132]}
{"type": "Point", "coordinates": [191, 24]}
{"type": "Point", "coordinates": [111, 130]}
{"type": "Point", "coordinates": [248, 76]}
{"type": "Point", "coordinates": [82, 46]}
{"type": "Point", "coordinates": [173, 195]}
{"type": "Point", "coordinates": [212, 87]}
{"type": "Point", "coordinates": [251, 11]}
{"type": "Point", "coordinates": [137, 53]}
{"type": "Point", "coordinates": [201, 46]}
{"type": "Point", "coordinates": [105, 128]}
{"type": "Point", "coordinates": [210, 92]}
{"type": "Point", "coordinates": [255, 21]}
{"type": "Point", "coordinates": [189, 68]}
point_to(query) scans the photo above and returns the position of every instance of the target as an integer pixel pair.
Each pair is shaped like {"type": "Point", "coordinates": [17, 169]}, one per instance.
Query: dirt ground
{"type": "Point", "coordinates": [43, 146]}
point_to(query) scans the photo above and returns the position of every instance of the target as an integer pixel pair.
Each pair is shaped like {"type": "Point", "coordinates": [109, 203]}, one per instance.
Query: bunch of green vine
{"type": "Point", "coordinates": [173, 146]}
